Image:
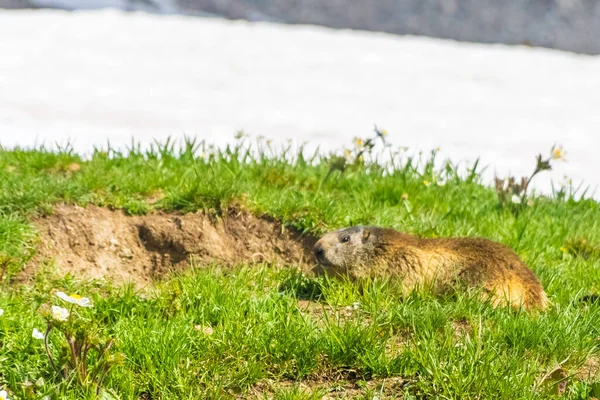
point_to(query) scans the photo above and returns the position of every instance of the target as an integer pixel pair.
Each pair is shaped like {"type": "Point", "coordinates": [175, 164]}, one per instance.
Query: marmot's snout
{"type": "Point", "coordinates": [319, 252]}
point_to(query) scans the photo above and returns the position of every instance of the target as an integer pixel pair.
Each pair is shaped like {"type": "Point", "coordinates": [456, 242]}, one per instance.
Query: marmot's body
{"type": "Point", "coordinates": [441, 264]}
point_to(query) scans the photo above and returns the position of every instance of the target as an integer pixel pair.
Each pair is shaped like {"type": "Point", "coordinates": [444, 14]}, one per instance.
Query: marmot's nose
{"type": "Point", "coordinates": [319, 251]}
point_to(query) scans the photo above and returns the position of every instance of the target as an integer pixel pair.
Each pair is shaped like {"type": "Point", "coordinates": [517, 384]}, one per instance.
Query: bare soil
{"type": "Point", "coordinates": [336, 384]}
{"type": "Point", "coordinates": [98, 243]}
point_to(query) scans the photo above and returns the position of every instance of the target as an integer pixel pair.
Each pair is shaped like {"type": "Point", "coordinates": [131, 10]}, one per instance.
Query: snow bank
{"type": "Point", "coordinates": [93, 77]}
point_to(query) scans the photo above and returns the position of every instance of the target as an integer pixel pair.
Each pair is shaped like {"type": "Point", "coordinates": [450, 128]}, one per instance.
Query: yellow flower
{"type": "Point", "coordinates": [358, 142]}
{"type": "Point", "coordinates": [384, 132]}
{"type": "Point", "coordinates": [75, 299]}
{"type": "Point", "coordinates": [563, 249]}
{"type": "Point", "coordinates": [426, 183]}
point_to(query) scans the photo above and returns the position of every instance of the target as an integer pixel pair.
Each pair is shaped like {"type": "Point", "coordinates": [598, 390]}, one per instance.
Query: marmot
{"type": "Point", "coordinates": [441, 264]}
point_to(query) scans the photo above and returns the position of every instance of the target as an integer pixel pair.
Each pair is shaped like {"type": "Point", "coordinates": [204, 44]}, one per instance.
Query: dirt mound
{"type": "Point", "coordinates": [94, 242]}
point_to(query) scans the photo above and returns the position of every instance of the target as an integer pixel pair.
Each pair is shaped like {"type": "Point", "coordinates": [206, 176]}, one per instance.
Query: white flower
{"type": "Point", "coordinates": [566, 182]}
{"type": "Point", "coordinates": [59, 313]}
{"type": "Point", "coordinates": [516, 199]}
{"type": "Point", "coordinates": [1, 312]}
{"type": "Point", "coordinates": [3, 395]}
{"type": "Point", "coordinates": [557, 153]}
{"type": "Point", "coordinates": [36, 335]}
{"type": "Point", "coordinates": [75, 299]}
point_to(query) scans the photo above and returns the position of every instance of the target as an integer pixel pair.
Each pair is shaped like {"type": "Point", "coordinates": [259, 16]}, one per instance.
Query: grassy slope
{"type": "Point", "coordinates": [259, 333]}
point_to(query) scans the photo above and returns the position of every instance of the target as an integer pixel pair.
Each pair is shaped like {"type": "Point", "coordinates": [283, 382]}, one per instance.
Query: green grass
{"type": "Point", "coordinates": [261, 339]}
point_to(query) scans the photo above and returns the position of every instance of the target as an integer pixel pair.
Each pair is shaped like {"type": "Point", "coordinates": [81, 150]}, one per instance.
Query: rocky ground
{"type": "Point", "coordinates": [563, 24]}
{"type": "Point", "coordinates": [16, 4]}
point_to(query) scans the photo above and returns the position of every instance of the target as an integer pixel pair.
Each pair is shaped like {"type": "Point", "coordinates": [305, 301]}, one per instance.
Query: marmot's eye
{"type": "Point", "coordinates": [345, 239]}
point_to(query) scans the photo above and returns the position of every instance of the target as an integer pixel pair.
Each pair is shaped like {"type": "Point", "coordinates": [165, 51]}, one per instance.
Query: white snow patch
{"type": "Point", "coordinates": [93, 77]}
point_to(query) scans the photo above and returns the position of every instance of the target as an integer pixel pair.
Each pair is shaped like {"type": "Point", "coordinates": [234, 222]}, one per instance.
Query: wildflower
{"type": "Point", "coordinates": [202, 155]}
{"type": "Point", "coordinates": [60, 314]}
{"type": "Point", "coordinates": [36, 334]}
{"type": "Point", "coordinates": [1, 312]}
{"type": "Point", "coordinates": [426, 183]}
{"type": "Point", "coordinates": [404, 196]}
{"type": "Point", "coordinates": [563, 249]}
{"type": "Point", "coordinates": [530, 203]}
{"type": "Point", "coordinates": [3, 395]}
{"type": "Point", "coordinates": [557, 153]}
{"type": "Point", "coordinates": [566, 182]}
{"type": "Point", "coordinates": [383, 132]}
{"type": "Point", "coordinates": [74, 167]}
{"type": "Point", "coordinates": [358, 142]}
{"type": "Point", "coordinates": [240, 134]}
{"type": "Point", "coordinates": [347, 152]}
{"type": "Point", "coordinates": [438, 149]}
{"type": "Point", "coordinates": [516, 199]}
{"type": "Point", "coordinates": [75, 299]}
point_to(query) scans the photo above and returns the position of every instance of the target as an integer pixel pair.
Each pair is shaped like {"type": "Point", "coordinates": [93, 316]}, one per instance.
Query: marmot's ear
{"type": "Point", "coordinates": [366, 234]}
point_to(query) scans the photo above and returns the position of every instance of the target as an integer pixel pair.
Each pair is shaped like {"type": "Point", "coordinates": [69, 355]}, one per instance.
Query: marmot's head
{"type": "Point", "coordinates": [340, 251]}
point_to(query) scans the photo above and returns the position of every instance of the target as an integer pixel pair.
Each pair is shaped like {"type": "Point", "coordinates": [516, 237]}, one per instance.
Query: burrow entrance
{"type": "Point", "coordinates": [94, 242]}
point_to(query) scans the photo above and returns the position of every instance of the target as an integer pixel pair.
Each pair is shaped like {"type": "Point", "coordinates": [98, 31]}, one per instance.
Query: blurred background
{"type": "Point", "coordinates": [572, 25]}
{"type": "Point", "coordinates": [499, 80]}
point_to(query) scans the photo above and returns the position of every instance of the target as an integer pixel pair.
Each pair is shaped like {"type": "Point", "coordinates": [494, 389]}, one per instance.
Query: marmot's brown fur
{"type": "Point", "coordinates": [440, 264]}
